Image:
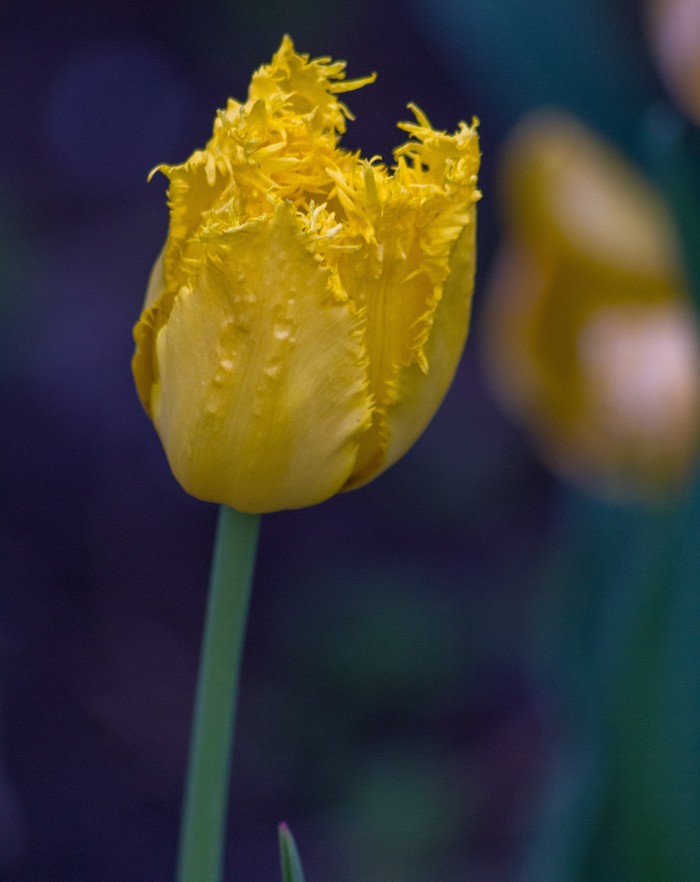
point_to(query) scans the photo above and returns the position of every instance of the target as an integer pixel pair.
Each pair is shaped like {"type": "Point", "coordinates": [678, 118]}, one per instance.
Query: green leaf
{"type": "Point", "coordinates": [289, 856]}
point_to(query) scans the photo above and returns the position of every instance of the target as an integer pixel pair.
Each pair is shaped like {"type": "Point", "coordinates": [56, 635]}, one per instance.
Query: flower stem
{"type": "Point", "coordinates": [203, 827]}
{"type": "Point", "coordinates": [672, 149]}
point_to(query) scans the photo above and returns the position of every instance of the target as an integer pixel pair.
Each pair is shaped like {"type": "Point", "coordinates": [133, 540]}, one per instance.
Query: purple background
{"type": "Point", "coordinates": [394, 707]}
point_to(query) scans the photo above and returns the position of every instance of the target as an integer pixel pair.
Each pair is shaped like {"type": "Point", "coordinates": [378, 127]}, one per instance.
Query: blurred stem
{"type": "Point", "coordinates": [672, 148]}
{"type": "Point", "coordinates": [203, 828]}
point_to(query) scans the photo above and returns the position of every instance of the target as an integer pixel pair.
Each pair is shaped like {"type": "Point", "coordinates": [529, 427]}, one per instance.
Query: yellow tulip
{"type": "Point", "coordinates": [309, 309]}
{"type": "Point", "coordinates": [589, 336]}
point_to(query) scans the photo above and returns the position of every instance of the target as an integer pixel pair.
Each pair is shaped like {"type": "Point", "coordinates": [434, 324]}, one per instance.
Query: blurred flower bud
{"type": "Point", "coordinates": [589, 337]}
{"type": "Point", "coordinates": [674, 36]}
{"type": "Point", "coordinates": [310, 307]}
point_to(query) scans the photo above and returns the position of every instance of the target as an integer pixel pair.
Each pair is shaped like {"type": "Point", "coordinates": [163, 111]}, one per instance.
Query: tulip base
{"type": "Point", "coordinates": [203, 829]}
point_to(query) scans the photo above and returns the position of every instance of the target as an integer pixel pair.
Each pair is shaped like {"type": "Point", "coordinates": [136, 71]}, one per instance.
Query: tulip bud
{"type": "Point", "coordinates": [309, 309]}
{"type": "Point", "coordinates": [590, 338]}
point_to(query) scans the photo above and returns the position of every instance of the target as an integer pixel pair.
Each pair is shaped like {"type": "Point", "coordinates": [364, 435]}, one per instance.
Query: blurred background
{"type": "Point", "coordinates": [472, 669]}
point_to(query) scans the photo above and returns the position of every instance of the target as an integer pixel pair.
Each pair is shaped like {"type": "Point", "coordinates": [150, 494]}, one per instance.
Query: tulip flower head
{"type": "Point", "coordinates": [590, 339]}
{"type": "Point", "coordinates": [309, 308]}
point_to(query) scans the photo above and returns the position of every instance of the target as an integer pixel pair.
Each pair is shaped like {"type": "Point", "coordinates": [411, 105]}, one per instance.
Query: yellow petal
{"type": "Point", "coordinates": [143, 362]}
{"type": "Point", "coordinates": [193, 190]}
{"type": "Point", "coordinates": [416, 332]}
{"type": "Point", "coordinates": [563, 188]}
{"type": "Point", "coordinates": [262, 376]}
{"type": "Point", "coordinates": [415, 241]}
{"type": "Point", "coordinates": [419, 394]}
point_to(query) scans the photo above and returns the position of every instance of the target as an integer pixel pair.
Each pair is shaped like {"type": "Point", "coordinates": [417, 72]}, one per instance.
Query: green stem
{"type": "Point", "coordinates": [203, 828]}
{"type": "Point", "coordinates": [672, 148]}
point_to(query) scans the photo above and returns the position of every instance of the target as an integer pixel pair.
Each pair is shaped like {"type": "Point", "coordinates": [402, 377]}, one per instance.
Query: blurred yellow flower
{"type": "Point", "coordinates": [589, 337]}
{"type": "Point", "coordinates": [309, 309]}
